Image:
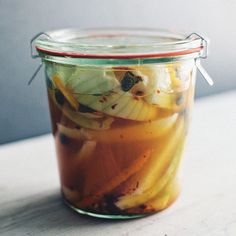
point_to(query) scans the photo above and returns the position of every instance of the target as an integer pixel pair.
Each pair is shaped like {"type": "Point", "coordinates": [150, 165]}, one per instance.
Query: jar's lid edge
{"type": "Point", "coordinates": [117, 43]}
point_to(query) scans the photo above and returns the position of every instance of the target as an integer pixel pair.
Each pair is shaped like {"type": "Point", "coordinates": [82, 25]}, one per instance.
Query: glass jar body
{"type": "Point", "coordinates": [119, 131]}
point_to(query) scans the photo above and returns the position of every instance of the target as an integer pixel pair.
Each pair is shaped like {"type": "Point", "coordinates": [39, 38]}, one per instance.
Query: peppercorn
{"type": "Point", "coordinates": [129, 81]}
{"type": "Point", "coordinates": [63, 139]}
{"type": "Point", "coordinates": [59, 97]}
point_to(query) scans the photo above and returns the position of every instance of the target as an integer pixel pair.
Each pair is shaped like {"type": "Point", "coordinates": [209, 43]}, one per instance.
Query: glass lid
{"type": "Point", "coordinates": [118, 43]}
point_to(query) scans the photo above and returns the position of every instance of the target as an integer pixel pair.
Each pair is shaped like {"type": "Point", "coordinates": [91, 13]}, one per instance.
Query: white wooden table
{"type": "Point", "coordinates": [30, 202]}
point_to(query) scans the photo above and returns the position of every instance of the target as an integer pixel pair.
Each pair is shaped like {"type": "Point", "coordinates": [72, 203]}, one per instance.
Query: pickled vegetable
{"type": "Point", "coordinates": [119, 134]}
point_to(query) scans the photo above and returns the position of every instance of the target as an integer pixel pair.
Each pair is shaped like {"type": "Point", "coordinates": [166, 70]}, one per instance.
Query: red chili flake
{"type": "Point", "coordinates": [114, 106]}
{"type": "Point", "coordinates": [158, 90]}
{"type": "Point", "coordinates": [97, 113]}
{"type": "Point", "coordinates": [121, 68]}
{"type": "Point", "coordinates": [139, 93]}
{"type": "Point", "coordinates": [121, 136]}
{"type": "Point", "coordinates": [104, 99]}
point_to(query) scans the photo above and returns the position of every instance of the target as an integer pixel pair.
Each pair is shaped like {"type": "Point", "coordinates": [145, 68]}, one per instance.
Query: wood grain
{"type": "Point", "coordinates": [30, 202]}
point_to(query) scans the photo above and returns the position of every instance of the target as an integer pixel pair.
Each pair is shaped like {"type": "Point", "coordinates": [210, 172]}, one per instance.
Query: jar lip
{"type": "Point", "coordinates": [118, 43]}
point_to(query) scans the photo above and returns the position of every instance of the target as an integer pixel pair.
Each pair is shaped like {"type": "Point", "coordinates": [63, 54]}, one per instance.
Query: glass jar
{"type": "Point", "coordinates": [120, 103]}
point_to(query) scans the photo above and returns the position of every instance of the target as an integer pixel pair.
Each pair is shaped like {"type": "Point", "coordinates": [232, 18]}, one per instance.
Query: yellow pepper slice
{"type": "Point", "coordinates": [144, 131]}
{"type": "Point", "coordinates": [159, 171]}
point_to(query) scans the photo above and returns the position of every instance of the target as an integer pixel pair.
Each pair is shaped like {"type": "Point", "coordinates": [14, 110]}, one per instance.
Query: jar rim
{"type": "Point", "coordinates": [118, 43]}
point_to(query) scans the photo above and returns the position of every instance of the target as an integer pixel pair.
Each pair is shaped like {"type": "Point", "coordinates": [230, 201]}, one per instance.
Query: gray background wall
{"type": "Point", "coordinates": [24, 110]}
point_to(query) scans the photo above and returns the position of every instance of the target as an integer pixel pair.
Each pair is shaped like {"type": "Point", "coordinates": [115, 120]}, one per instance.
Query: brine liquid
{"type": "Point", "coordinates": [119, 143]}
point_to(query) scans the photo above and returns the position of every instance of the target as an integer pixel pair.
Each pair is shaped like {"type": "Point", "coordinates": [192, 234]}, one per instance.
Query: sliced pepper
{"type": "Point", "coordinates": [117, 180]}
{"type": "Point", "coordinates": [144, 131]}
{"type": "Point", "coordinates": [157, 173]}
{"type": "Point", "coordinates": [65, 91]}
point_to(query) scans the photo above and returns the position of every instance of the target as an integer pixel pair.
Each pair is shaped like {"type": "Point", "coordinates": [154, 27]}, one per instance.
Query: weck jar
{"type": "Point", "coordinates": [120, 103]}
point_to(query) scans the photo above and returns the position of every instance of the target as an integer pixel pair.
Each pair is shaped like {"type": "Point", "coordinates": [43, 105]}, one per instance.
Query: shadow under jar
{"type": "Point", "coordinates": [120, 103]}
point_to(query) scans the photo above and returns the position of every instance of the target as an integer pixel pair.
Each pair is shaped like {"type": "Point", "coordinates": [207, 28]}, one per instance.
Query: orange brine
{"type": "Point", "coordinates": [119, 133]}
